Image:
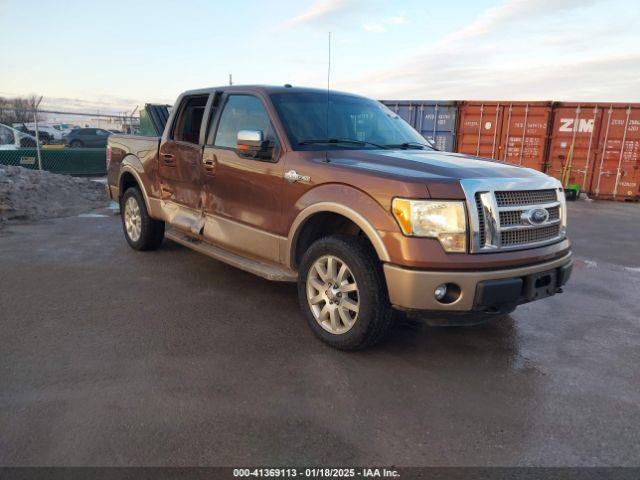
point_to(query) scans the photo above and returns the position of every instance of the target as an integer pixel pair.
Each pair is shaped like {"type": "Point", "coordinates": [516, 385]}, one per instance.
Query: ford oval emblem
{"type": "Point", "coordinates": [536, 216]}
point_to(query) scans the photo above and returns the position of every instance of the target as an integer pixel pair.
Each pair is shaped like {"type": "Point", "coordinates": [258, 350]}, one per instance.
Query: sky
{"type": "Point", "coordinates": [114, 55]}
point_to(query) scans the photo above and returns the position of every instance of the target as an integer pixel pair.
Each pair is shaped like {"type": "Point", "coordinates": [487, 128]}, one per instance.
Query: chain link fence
{"type": "Point", "coordinates": [69, 142]}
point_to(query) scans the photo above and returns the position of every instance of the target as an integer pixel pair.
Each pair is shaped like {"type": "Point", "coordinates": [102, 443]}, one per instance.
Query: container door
{"type": "Point", "coordinates": [405, 110]}
{"type": "Point", "coordinates": [437, 123]}
{"type": "Point", "coordinates": [524, 135]}
{"type": "Point", "coordinates": [617, 175]}
{"type": "Point", "coordinates": [479, 131]}
{"type": "Point", "coordinates": [574, 144]}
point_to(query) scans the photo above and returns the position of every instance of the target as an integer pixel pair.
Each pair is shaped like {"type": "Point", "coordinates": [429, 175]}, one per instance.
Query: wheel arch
{"type": "Point", "coordinates": [311, 212]}
{"type": "Point", "coordinates": [130, 176]}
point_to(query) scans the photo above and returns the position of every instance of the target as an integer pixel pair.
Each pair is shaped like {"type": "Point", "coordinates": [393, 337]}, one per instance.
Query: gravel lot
{"type": "Point", "coordinates": [115, 357]}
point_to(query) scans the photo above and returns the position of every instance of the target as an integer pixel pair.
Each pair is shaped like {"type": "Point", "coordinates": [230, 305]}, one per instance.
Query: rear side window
{"type": "Point", "coordinates": [242, 112]}
{"type": "Point", "coordinates": [189, 121]}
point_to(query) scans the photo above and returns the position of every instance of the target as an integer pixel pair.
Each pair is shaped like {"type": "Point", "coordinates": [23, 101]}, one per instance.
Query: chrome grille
{"type": "Point", "coordinates": [510, 218]}
{"type": "Point", "coordinates": [529, 235]}
{"type": "Point", "coordinates": [502, 213]}
{"type": "Point", "coordinates": [525, 197]}
{"type": "Point", "coordinates": [480, 211]}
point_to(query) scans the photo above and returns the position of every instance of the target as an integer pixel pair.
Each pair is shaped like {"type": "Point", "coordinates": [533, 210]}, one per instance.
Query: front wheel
{"type": "Point", "coordinates": [141, 231]}
{"type": "Point", "coordinates": [342, 293]}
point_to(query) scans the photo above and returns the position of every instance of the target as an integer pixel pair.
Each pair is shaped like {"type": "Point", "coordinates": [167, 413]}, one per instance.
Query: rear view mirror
{"type": "Point", "coordinates": [251, 143]}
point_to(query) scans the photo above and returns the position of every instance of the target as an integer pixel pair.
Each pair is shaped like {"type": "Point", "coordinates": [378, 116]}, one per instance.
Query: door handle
{"type": "Point", "coordinates": [168, 158]}
{"type": "Point", "coordinates": [209, 162]}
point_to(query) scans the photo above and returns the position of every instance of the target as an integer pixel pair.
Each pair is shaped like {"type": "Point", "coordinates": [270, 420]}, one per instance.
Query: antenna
{"type": "Point", "coordinates": [328, 83]}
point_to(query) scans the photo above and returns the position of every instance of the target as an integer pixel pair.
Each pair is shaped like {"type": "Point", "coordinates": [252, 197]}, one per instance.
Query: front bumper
{"type": "Point", "coordinates": [488, 291]}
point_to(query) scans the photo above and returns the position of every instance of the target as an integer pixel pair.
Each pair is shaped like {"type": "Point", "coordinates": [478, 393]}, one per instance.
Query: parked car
{"type": "Point", "coordinates": [55, 134]}
{"type": "Point", "coordinates": [87, 137]}
{"type": "Point", "coordinates": [13, 139]}
{"type": "Point", "coordinates": [44, 136]}
{"type": "Point", "coordinates": [337, 193]}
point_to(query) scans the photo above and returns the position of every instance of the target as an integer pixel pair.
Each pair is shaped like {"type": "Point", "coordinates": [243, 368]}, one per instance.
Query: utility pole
{"type": "Point", "coordinates": [230, 79]}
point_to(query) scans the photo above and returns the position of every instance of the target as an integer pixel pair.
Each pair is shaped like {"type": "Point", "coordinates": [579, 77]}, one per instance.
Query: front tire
{"type": "Point", "coordinates": [342, 293]}
{"type": "Point", "coordinates": [141, 231]}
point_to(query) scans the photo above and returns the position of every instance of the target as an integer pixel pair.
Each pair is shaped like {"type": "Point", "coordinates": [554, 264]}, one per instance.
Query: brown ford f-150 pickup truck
{"type": "Point", "coordinates": [337, 193]}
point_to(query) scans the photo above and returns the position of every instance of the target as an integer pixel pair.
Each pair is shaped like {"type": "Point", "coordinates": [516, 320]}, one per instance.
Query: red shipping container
{"type": "Point", "coordinates": [574, 143]}
{"type": "Point", "coordinates": [512, 132]}
{"type": "Point", "coordinates": [597, 146]}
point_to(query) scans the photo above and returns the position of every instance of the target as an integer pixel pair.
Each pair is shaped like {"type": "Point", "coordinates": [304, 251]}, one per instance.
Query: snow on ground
{"type": "Point", "coordinates": [32, 194]}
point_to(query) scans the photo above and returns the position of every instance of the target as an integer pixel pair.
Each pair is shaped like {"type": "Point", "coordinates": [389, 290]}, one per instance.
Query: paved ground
{"type": "Point", "coordinates": [114, 357]}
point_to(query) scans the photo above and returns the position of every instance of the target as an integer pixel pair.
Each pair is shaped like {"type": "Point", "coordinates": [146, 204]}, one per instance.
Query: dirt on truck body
{"type": "Point", "coordinates": [337, 193]}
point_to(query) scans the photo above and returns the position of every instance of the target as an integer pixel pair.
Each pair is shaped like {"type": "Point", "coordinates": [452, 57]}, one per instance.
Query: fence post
{"type": "Point", "coordinates": [131, 119]}
{"type": "Point", "coordinates": [35, 119]}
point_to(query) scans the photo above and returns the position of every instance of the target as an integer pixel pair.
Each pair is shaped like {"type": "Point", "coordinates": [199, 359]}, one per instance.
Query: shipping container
{"type": "Point", "coordinates": [403, 108]}
{"type": "Point", "coordinates": [435, 120]}
{"type": "Point", "coordinates": [596, 146]}
{"type": "Point", "coordinates": [511, 132]}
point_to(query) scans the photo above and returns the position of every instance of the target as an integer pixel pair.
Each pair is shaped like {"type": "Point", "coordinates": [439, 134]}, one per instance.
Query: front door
{"type": "Point", "coordinates": [181, 155]}
{"type": "Point", "coordinates": [242, 193]}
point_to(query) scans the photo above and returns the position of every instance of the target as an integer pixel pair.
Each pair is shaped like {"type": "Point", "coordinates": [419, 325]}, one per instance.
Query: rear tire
{"type": "Point", "coordinates": [141, 231]}
{"type": "Point", "coordinates": [342, 293]}
{"type": "Point", "coordinates": [76, 144]}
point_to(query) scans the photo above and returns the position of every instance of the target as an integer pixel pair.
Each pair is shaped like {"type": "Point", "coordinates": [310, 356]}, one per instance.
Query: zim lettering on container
{"type": "Point", "coordinates": [596, 147]}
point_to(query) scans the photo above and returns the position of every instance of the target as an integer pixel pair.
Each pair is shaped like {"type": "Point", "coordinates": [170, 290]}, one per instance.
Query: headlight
{"type": "Point", "coordinates": [441, 219]}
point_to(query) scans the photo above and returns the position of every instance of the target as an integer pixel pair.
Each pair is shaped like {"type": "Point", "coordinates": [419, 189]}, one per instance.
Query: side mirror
{"type": "Point", "coordinates": [251, 143]}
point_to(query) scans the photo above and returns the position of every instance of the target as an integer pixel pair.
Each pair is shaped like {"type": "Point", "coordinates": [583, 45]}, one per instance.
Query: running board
{"type": "Point", "coordinates": [262, 269]}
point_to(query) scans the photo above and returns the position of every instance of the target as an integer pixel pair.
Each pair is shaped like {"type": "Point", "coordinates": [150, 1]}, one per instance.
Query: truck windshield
{"type": "Point", "coordinates": [353, 123]}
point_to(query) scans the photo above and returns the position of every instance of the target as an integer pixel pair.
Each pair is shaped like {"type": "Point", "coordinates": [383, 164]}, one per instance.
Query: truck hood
{"type": "Point", "coordinates": [427, 164]}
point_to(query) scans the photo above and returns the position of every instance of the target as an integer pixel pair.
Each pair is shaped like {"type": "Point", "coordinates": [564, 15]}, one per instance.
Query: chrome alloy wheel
{"type": "Point", "coordinates": [332, 293]}
{"type": "Point", "coordinates": [132, 219]}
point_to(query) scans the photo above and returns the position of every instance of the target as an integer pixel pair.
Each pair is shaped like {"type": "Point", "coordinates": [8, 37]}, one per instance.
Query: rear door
{"type": "Point", "coordinates": [180, 154]}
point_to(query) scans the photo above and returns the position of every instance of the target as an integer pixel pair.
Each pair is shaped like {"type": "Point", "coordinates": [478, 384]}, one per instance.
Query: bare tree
{"type": "Point", "coordinates": [18, 109]}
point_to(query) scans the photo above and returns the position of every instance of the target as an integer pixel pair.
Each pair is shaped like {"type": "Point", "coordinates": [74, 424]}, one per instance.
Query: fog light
{"type": "Point", "coordinates": [440, 292]}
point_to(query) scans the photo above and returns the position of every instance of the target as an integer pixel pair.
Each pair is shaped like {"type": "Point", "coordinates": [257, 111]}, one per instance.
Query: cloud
{"type": "Point", "coordinates": [382, 25]}
{"type": "Point", "coordinates": [374, 28]}
{"type": "Point", "coordinates": [519, 50]}
{"type": "Point", "coordinates": [513, 10]}
{"type": "Point", "coordinates": [320, 10]}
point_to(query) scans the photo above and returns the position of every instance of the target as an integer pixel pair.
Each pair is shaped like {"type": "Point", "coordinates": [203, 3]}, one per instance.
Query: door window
{"type": "Point", "coordinates": [243, 112]}
{"type": "Point", "coordinates": [187, 126]}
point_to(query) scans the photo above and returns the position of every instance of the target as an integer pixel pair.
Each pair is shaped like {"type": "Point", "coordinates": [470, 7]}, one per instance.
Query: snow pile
{"type": "Point", "coordinates": [32, 194]}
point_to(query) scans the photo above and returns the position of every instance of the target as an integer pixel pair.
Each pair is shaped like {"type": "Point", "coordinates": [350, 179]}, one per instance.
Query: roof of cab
{"type": "Point", "coordinates": [267, 89]}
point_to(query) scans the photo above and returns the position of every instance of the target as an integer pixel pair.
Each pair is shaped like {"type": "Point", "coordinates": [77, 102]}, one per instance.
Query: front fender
{"type": "Point", "coordinates": [350, 202]}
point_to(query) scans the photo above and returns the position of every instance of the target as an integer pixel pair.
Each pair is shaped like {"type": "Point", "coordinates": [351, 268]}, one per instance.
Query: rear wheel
{"type": "Point", "coordinates": [76, 144]}
{"type": "Point", "coordinates": [342, 293]}
{"type": "Point", "coordinates": [141, 231]}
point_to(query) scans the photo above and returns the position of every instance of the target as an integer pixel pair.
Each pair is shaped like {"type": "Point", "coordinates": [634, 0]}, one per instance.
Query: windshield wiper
{"type": "Point", "coordinates": [342, 140]}
{"type": "Point", "coordinates": [411, 145]}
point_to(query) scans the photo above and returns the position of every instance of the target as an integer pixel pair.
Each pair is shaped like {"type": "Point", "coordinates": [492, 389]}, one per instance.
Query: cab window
{"type": "Point", "coordinates": [189, 121]}
{"type": "Point", "coordinates": [243, 112]}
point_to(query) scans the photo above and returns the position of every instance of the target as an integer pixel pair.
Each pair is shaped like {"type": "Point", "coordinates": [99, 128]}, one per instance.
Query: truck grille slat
{"type": "Point", "coordinates": [510, 218]}
{"type": "Point", "coordinates": [525, 197]}
{"type": "Point", "coordinates": [480, 209]}
{"type": "Point", "coordinates": [531, 235]}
